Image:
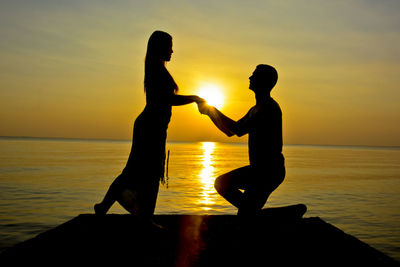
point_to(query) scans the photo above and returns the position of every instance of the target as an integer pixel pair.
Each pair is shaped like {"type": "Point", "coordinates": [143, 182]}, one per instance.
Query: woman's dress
{"type": "Point", "coordinates": [146, 162]}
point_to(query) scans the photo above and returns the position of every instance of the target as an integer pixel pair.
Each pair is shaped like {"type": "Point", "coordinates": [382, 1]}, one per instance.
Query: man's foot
{"type": "Point", "coordinates": [99, 210]}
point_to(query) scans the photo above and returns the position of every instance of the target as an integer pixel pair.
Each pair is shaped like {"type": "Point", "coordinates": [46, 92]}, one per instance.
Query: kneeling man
{"type": "Point", "coordinates": [263, 124]}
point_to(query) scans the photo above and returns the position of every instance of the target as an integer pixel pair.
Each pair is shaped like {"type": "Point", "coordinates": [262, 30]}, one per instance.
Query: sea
{"type": "Point", "coordinates": [45, 182]}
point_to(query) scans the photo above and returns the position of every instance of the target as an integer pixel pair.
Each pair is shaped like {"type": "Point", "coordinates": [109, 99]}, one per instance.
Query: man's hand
{"type": "Point", "coordinates": [223, 123]}
{"type": "Point", "coordinates": [203, 107]}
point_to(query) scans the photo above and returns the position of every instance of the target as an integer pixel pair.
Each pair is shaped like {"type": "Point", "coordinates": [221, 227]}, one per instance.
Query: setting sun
{"type": "Point", "coordinates": [212, 94]}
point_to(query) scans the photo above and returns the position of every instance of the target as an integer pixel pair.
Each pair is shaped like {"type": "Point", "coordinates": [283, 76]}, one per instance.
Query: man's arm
{"type": "Point", "coordinates": [224, 123]}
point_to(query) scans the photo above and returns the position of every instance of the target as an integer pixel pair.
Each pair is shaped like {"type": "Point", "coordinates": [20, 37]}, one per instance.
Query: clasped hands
{"type": "Point", "coordinates": [202, 106]}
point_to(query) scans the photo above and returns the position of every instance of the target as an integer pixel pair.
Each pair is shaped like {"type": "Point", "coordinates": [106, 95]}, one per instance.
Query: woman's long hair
{"type": "Point", "coordinates": [157, 47]}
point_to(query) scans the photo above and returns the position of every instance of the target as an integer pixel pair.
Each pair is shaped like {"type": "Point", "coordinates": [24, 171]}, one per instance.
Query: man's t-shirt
{"type": "Point", "coordinates": [263, 123]}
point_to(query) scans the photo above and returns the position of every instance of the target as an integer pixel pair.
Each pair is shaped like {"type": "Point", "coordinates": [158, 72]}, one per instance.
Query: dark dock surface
{"type": "Point", "coordinates": [194, 240]}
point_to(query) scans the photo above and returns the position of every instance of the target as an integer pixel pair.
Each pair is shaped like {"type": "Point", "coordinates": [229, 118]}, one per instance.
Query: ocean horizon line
{"type": "Point", "coordinates": [44, 138]}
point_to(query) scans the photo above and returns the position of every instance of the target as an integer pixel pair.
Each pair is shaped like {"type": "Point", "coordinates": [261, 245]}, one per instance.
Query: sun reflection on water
{"type": "Point", "coordinates": [206, 175]}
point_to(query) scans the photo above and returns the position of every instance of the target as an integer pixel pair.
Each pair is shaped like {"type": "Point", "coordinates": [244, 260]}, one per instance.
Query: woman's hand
{"type": "Point", "coordinates": [198, 99]}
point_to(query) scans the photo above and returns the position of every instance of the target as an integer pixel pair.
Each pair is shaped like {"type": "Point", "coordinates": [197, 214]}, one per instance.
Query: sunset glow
{"type": "Point", "coordinates": [207, 174]}
{"type": "Point", "coordinates": [66, 71]}
{"type": "Point", "coordinates": [212, 94]}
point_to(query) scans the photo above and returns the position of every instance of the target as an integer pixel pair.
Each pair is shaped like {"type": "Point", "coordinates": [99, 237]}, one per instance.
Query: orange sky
{"type": "Point", "coordinates": [75, 69]}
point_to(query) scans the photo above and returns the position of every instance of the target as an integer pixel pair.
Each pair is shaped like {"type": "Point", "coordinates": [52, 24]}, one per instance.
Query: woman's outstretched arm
{"type": "Point", "coordinates": [179, 100]}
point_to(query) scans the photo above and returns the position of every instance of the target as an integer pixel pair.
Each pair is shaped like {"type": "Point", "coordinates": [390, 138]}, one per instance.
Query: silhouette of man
{"type": "Point", "coordinates": [263, 123]}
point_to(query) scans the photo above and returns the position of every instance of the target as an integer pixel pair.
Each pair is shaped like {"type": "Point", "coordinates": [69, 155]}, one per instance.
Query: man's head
{"type": "Point", "coordinates": [264, 78]}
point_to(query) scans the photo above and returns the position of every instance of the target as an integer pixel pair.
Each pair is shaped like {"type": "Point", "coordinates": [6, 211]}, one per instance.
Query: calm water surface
{"type": "Point", "coordinates": [45, 182]}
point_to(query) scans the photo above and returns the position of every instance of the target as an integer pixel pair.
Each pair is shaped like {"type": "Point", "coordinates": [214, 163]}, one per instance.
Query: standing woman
{"type": "Point", "coordinates": [136, 188]}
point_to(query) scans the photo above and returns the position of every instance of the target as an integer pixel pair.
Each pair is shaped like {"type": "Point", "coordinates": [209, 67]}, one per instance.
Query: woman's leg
{"type": "Point", "coordinates": [129, 199]}
{"type": "Point", "coordinates": [151, 199]}
{"type": "Point", "coordinates": [111, 196]}
{"type": "Point", "coordinates": [140, 200]}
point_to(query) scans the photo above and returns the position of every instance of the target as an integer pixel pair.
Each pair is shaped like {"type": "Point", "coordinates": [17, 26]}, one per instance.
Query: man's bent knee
{"type": "Point", "coordinates": [219, 186]}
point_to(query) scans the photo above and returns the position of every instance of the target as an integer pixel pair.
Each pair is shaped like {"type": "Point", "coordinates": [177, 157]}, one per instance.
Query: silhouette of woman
{"type": "Point", "coordinates": [136, 188]}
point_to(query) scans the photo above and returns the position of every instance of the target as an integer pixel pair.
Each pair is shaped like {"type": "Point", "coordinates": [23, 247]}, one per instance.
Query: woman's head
{"type": "Point", "coordinates": [159, 47]}
{"type": "Point", "coordinates": [159, 50]}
